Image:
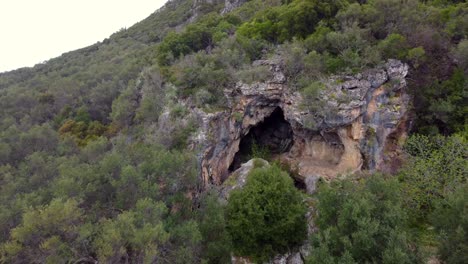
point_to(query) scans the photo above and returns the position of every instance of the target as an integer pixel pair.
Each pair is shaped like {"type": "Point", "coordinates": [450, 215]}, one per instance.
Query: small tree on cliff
{"type": "Point", "coordinates": [267, 216]}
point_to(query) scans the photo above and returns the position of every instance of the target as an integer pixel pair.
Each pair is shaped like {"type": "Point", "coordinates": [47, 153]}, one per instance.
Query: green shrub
{"type": "Point", "coordinates": [259, 151]}
{"type": "Point", "coordinates": [298, 18]}
{"type": "Point", "coordinates": [450, 219]}
{"type": "Point", "coordinates": [216, 241]}
{"type": "Point", "coordinates": [361, 222]}
{"type": "Point", "coordinates": [416, 56]}
{"type": "Point", "coordinates": [394, 46]}
{"type": "Point", "coordinates": [209, 72]}
{"type": "Point", "coordinates": [435, 169]}
{"type": "Point", "coordinates": [267, 216]}
{"type": "Point", "coordinates": [252, 74]}
{"type": "Point", "coordinates": [310, 95]}
{"type": "Point", "coordinates": [461, 54]}
{"type": "Point", "coordinates": [203, 34]}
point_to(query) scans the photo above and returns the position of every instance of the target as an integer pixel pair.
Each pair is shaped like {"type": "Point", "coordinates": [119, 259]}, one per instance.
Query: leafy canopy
{"type": "Point", "coordinates": [361, 222]}
{"type": "Point", "coordinates": [450, 219]}
{"type": "Point", "coordinates": [267, 216]}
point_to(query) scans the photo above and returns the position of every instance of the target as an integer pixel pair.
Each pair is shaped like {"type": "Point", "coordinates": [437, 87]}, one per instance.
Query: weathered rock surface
{"type": "Point", "coordinates": [238, 178]}
{"type": "Point", "coordinates": [198, 5]}
{"type": "Point", "coordinates": [230, 5]}
{"type": "Point", "coordinates": [357, 124]}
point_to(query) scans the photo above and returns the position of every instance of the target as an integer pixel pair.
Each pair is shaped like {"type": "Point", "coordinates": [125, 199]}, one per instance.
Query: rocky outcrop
{"type": "Point", "coordinates": [230, 5]}
{"type": "Point", "coordinates": [350, 127]}
{"type": "Point", "coordinates": [198, 7]}
{"type": "Point", "coordinates": [238, 179]}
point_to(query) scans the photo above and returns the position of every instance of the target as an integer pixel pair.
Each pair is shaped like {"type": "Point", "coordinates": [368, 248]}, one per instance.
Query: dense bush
{"type": "Point", "coordinates": [217, 245]}
{"type": "Point", "coordinates": [444, 109]}
{"type": "Point", "coordinates": [295, 19]}
{"type": "Point", "coordinates": [94, 163]}
{"type": "Point", "coordinates": [450, 219]}
{"type": "Point", "coordinates": [110, 201]}
{"type": "Point", "coordinates": [437, 166]}
{"type": "Point", "coordinates": [198, 36]}
{"type": "Point", "coordinates": [361, 222]}
{"type": "Point", "coordinates": [267, 216]}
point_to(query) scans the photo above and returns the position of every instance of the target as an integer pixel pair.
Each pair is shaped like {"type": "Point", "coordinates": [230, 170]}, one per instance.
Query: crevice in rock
{"type": "Point", "coordinates": [273, 135]}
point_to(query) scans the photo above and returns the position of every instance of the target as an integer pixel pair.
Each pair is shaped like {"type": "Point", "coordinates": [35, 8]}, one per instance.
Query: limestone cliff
{"type": "Point", "coordinates": [358, 124]}
{"type": "Point", "coordinates": [230, 5]}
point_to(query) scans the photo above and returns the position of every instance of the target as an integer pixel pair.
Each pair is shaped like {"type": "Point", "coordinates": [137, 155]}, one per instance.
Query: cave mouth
{"type": "Point", "coordinates": [267, 139]}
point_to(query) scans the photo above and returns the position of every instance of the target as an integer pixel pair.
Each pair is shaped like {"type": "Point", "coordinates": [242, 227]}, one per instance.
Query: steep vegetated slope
{"type": "Point", "coordinates": [100, 154]}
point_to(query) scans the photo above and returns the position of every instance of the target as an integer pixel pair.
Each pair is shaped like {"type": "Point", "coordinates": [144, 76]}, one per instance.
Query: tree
{"type": "Point", "coordinates": [436, 167]}
{"type": "Point", "coordinates": [450, 219]}
{"type": "Point", "coordinates": [47, 234]}
{"type": "Point", "coordinates": [267, 216]}
{"type": "Point", "coordinates": [216, 241]}
{"type": "Point", "coordinates": [133, 234]}
{"type": "Point", "coordinates": [361, 222]}
{"type": "Point", "coordinates": [461, 54]}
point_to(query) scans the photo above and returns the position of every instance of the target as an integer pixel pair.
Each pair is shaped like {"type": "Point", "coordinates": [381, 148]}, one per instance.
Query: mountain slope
{"type": "Point", "coordinates": [117, 152]}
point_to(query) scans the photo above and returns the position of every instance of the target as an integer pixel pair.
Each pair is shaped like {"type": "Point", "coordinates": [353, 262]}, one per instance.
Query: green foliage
{"type": "Point", "coordinates": [267, 216]}
{"type": "Point", "coordinates": [259, 151]}
{"type": "Point", "coordinates": [437, 166]}
{"type": "Point", "coordinates": [298, 18]}
{"type": "Point", "coordinates": [82, 132]}
{"type": "Point", "coordinates": [445, 112]}
{"type": "Point", "coordinates": [312, 103]}
{"type": "Point", "coordinates": [416, 56]}
{"type": "Point", "coordinates": [361, 222]}
{"type": "Point", "coordinates": [394, 46]}
{"type": "Point", "coordinates": [216, 240]}
{"type": "Point", "coordinates": [133, 234]}
{"type": "Point", "coordinates": [461, 54]}
{"type": "Point", "coordinates": [363, 38]}
{"type": "Point", "coordinates": [254, 74]}
{"type": "Point", "coordinates": [450, 219]}
{"type": "Point", "coordinates": [92, 168]}
{"type": "Point", "coordinates": [203, 72]}
{"type": "Point", "coordinates": [55, 229]}
{"type": "Point", "coordinates": [197, 36]}
{"type": "Point", "coordinates": [310, 94]}
{"type": "Point", "coordinates": [124, 106]}
{"type": "Point", "coordinates": [153, 96]}
{"type": "Point", "coordinates": [118, 187]}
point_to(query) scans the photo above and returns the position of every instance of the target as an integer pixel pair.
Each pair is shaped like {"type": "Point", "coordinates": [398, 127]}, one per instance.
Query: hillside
{"type": "Point", "coordinates": [147, 147]}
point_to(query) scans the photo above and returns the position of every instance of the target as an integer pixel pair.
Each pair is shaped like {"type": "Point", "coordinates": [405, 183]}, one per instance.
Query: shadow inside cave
{"type": "Point", "coordinates": [270, 137]}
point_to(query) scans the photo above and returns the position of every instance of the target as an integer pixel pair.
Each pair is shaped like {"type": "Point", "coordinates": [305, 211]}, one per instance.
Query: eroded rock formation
{"type": "Point", "coordinates": [358, 125]}
{"type": "Point", "coordinates": [230, 5]}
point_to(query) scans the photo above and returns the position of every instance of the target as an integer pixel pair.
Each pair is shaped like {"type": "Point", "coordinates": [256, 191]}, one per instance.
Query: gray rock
{"type": "Point", "coordinates": [238, 178]}
{"type": "Point", "coordinates": [295, 259]}
{"type": "Point", "coordinates": [311, 184]}
{"type": "Point", "coordinates": [230, 5]}
{"type": "Point", "coordinates": [361, 111]}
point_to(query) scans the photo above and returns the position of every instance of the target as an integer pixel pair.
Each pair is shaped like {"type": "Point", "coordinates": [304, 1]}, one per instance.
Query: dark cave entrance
{"type": "Point", "coordinates": [270, 137]}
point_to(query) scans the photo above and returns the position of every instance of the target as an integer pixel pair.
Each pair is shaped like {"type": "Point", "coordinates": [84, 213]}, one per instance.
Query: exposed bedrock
{"type": "Point", "coordinates": [360, 124]}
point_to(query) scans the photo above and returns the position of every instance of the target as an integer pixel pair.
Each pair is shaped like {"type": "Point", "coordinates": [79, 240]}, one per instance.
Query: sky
{"type": "Point", "coordinates": [33, 31]}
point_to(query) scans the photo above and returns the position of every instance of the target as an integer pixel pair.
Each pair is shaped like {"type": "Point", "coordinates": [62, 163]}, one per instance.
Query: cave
{"type": "Point", "coordinates": [272, 137]}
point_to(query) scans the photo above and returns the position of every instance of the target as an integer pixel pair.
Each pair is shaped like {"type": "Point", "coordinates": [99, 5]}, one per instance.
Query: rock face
{"type": "Point", "coordinates": [198, 5]}
{"type": "Point", "coordinates": [238, 179]}
{"type": "Point", "coordinates": [357, 123]}
{"type": "Point", "coordinates": [230, 5]}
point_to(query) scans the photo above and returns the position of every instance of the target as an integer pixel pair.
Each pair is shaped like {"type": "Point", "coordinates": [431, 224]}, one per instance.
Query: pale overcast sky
{"type": "Point", "coordinates": [33, 31]}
